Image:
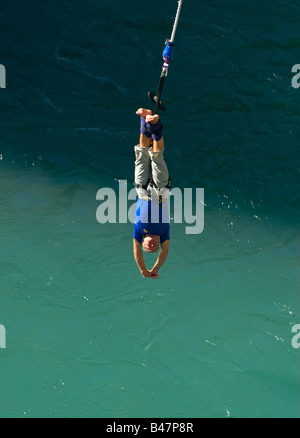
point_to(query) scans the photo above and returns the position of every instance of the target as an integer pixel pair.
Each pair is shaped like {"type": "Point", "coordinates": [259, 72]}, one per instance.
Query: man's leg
{"type": "Point", "coordinates": [160, 173]}
{"type": "Point", "coordinates": [145, 135]}
{"type": "Point", "coordinates": [155, 126]}
{"type": "Point", "coordinates": [143, 160]}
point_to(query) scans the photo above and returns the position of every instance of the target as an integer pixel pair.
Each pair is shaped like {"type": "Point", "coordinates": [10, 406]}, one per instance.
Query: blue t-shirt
{"type": "Point", "coordinates": [151, 218]}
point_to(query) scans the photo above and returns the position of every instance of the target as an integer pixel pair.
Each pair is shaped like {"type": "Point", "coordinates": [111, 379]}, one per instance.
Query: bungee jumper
{"type": "Point", "coordinates": [152, 180]}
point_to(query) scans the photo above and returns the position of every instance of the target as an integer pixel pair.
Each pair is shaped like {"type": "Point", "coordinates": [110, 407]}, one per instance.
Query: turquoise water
{"type": "Point", "coordinates": [86, 336]}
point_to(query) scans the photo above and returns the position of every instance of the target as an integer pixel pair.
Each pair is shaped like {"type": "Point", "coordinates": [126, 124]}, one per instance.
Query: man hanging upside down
{"type": "Point", "coordinates": [152, 182]}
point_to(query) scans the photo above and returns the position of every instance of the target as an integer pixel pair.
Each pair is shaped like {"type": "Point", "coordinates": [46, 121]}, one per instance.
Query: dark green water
{"type": "Point", "coordinates": [86, 335]}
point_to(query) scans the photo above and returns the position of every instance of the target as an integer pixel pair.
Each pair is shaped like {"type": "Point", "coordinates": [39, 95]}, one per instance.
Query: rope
{"type": "Point", "coordinates": [176, 21]}
{"type": "Point", "coordinates": [168, 55]}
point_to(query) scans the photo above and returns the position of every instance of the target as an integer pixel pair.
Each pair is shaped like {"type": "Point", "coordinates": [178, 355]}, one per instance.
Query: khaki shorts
{"type": "Point", "coordinates": [149, 165]}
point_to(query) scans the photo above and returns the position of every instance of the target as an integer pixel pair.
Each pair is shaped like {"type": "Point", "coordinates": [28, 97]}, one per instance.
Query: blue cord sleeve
{"type": "Point", "coordinates": [169, 51]}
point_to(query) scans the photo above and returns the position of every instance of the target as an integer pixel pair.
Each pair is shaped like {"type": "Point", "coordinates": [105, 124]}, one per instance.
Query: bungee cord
{"type": "Point", "coordinates": [168, 55]}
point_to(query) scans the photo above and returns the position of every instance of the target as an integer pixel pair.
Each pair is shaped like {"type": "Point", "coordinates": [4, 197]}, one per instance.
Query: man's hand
{"type": "Point", "coordinates": [154, 273]}
{"type": "Point", "coordinates": [146, 274]}
{"type": "Point", "coordinates": [162, 257]}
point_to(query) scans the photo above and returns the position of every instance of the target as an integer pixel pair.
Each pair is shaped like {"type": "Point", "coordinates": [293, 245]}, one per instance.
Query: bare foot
{"type": "Point", "coordinates": [152, 119]}
{"type": "Point", "coordinates": [143, 113]}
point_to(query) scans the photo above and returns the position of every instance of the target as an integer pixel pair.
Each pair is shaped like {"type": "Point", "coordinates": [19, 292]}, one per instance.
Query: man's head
{"type": "Point", "coordinates": [151, 243]}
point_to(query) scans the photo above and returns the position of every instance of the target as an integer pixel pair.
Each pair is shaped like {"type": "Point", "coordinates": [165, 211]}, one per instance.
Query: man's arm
{"type": "Point", "coordinates": [138, 255]}
{"type": "Point", "coordinates": [162, 257]}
